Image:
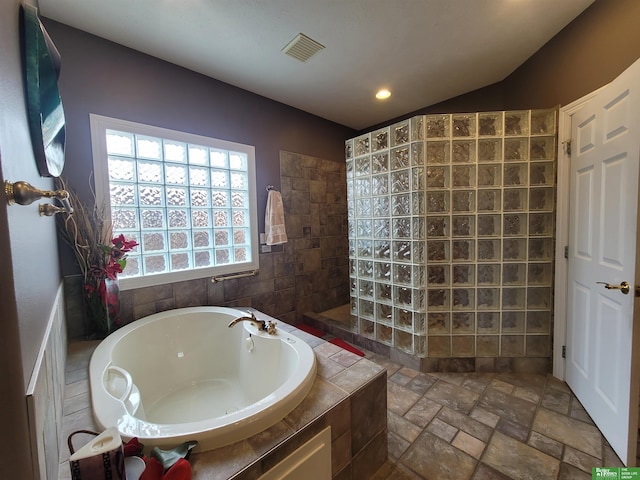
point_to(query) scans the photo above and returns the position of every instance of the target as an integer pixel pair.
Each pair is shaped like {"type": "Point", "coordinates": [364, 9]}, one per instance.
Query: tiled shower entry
{"type": "Point", "coordinates": [451, 237]}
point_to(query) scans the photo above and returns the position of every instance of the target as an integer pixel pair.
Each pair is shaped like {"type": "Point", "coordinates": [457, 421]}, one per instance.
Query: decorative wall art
{"type": "Point", "coordinates": [41, 63]}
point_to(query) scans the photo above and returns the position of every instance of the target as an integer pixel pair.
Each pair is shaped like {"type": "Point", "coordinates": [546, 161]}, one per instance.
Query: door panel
{"type": "Point", "coordinates": [615, 114]}
{"type": "Point", "coordinates": [583, 212]}
{"type": "Point", "coordinates": [579, 356]}
{"type": "Point", "coordinates": [613, 246]}
{"type": "Point", "coordinates": [610, 320]}
{"type": "Point", "coordinates": [585, 135]}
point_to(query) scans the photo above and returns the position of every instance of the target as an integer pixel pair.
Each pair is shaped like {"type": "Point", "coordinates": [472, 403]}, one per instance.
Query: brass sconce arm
{"type": "Point", "coordinates": [24, 193]}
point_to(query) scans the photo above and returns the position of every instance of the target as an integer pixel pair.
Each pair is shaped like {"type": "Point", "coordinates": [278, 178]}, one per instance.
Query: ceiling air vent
{"type": "Point", "coordinates": [302, 47]}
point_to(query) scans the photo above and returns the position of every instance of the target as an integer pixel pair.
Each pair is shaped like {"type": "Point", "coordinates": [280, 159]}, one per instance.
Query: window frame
{"type": "Point", "coordinates": [100, 124]}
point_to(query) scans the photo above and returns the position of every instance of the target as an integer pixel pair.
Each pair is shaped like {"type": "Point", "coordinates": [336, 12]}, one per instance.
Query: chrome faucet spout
{"type": "Point", "coordinates": [261, 325]}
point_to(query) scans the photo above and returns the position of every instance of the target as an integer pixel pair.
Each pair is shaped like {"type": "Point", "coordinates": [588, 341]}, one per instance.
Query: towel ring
{"type": "Point", "coordinates": [270, 187]}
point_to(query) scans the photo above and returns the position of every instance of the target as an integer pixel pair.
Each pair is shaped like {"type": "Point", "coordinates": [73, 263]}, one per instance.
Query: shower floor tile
{"type": "Point", "coordinates": [487, 426]}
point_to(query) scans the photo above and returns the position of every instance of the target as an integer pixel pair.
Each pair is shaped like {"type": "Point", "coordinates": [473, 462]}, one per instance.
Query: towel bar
{"type": "Point", "coordinates": [231, 276]}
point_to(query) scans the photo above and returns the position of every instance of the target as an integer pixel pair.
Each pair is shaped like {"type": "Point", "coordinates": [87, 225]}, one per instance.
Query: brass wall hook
{"type": "Point", "coordinates": [24, 193]}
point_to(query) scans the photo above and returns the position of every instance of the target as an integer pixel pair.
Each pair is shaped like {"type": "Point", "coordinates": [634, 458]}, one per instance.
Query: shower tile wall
{"type": "Point", "coordinates": [451, 234]}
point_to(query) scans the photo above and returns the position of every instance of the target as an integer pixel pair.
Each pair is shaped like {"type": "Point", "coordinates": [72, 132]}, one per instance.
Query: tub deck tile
{"type": "Point", "coordinates": [328, 403]}
{"type": "Point", "coordinates": [361, 372]}
{"type": "Point", "coordinates": [268, 439]}
{"type": "Point", "coordinates": [322, 397]}
{"type": "Point", "coordinates": [327, 368]}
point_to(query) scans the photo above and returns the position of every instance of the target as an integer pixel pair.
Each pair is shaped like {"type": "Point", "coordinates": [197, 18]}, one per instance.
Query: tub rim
{"type": "Point", "coordinates": [210, 433]}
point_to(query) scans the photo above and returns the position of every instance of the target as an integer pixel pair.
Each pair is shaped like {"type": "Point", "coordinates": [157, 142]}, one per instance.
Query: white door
{"type": "Point", "coordinates": [605, 154]}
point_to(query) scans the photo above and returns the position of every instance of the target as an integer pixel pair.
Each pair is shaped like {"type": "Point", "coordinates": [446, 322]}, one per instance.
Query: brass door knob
{"type": "Point", "coordinates": [624, 287]}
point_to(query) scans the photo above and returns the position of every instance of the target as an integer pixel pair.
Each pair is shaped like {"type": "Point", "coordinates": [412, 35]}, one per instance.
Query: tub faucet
{"type": "Point", "coordinates": [268, 326]}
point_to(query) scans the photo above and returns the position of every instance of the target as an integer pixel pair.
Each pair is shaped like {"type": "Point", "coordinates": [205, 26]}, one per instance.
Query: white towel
{"type": "Point", "coordinates": [275, 232]}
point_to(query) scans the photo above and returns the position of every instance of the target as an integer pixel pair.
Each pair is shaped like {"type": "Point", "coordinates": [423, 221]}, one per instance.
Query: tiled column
{"type": "Point", "coordinates": [386, 208]}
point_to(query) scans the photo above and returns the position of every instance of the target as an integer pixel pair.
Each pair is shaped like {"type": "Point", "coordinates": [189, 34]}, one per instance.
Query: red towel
{"type": "Point", "coordinates": [181, 470]}
{"type": "Point", "coordinates": [341, 343]}
{"type": "Point", "coordinates": [154, 470]}
{"type": "Point", "coordinates": [336, 341]}
{"type": "Point", "coordinates": [311, 330]}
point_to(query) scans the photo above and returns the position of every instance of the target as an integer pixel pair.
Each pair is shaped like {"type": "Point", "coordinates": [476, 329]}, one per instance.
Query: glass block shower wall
{"type": "Point", "coordinates": [451, 233]}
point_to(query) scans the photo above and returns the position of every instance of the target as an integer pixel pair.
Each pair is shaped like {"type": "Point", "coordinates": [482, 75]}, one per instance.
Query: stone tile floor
{"type": "Point", "coordinates": [483, 426]}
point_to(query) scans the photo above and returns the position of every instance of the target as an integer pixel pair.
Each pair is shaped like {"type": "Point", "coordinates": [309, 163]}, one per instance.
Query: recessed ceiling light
{"type": "Point", "coordinates": [383, 93]}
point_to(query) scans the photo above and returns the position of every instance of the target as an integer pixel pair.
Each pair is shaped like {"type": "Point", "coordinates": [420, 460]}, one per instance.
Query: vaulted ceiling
{"type": "Point", "coordinates": [423, 51]}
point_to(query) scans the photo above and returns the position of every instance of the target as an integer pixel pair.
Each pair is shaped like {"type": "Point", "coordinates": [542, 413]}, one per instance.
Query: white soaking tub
{"type": "Point", "coordinates": [185, 375]}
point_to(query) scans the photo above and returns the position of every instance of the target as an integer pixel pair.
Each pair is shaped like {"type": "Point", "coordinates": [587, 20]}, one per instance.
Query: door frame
{"type": "Point", "coordinates": [563, 195]}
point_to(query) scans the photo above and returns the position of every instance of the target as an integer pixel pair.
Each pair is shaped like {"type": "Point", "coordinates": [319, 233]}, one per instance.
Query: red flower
{"type": "Point", "coordinates": [113, 269]}
{"type": "Point", "coordinates": [123, 244]}
{"type": "Point", "coordinates": [112, 260]}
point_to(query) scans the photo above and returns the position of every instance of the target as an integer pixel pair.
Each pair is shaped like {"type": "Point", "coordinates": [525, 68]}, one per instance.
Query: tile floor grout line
{"type": "Point", "coordinates": [479, 463]}
{"type": "Point", "coordinates": [535, 414]}
{"type": "Point", "coordinates": [398, 461]}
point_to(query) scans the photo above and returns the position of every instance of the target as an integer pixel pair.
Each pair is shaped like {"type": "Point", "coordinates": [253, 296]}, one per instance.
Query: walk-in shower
{"type": "Point", "coordinates": [451, 234]}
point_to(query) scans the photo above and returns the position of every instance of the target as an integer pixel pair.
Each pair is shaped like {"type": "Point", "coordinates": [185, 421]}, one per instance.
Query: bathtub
{"type": "Point", "coordinates": [184, 375]}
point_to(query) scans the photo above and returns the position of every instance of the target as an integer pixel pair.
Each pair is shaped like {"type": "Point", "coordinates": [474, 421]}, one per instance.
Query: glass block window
{"type": "Point", "coordinates": [189, 201]}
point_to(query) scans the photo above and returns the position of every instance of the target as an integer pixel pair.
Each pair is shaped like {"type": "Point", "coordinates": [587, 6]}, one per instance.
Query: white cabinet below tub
{"type": "Point", "coordinates": [311, 461]}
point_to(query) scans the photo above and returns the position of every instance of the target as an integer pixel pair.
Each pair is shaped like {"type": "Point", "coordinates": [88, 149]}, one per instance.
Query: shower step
{"type": "Point", "coordinates": [307, 326]}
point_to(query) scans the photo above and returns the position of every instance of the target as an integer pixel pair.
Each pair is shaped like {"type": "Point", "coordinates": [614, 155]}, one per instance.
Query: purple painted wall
{"type": "Point", "coordinates": [105, 78]}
